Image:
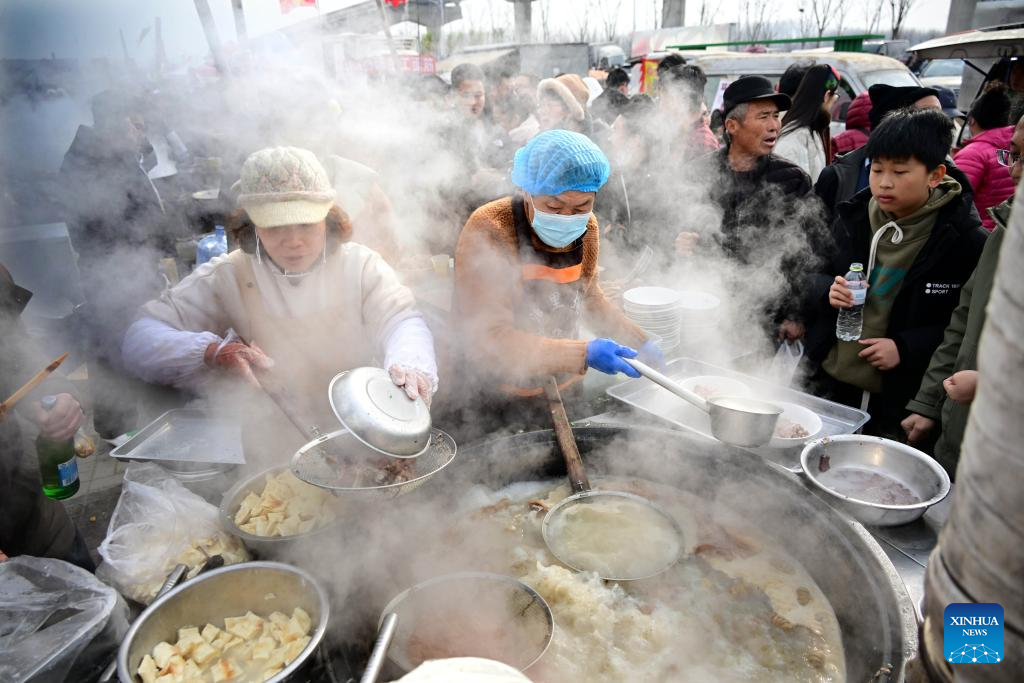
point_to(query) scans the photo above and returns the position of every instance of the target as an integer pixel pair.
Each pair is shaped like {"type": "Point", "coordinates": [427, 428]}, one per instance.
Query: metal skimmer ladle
{"type": "Point", "coordinates": [738, 421]}
{"type": "Point", "coordinates": [613, 506]}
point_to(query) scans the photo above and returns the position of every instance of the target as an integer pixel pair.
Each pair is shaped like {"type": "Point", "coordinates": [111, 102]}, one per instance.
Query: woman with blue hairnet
{"type": "Point", "coordinates": [525, 275]}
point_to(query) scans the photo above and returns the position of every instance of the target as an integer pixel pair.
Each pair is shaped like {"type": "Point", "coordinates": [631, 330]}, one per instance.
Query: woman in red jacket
{"type": "Point", "coordinates": [858, 126]}
{"type": "Point", "coordinates": [987, 121]}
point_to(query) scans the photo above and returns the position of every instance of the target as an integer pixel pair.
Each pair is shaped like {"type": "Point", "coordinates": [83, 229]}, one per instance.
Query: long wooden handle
{"type": "Point", "coordinates": [31, 384]}
{"type": "Point", "coordinates": [566, 441]}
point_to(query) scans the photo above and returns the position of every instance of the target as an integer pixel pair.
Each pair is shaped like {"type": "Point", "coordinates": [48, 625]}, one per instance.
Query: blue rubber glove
{"type": "Point", "coordinates": [606, 356]}
{"type": "Point", "coordinates": [651, 355]}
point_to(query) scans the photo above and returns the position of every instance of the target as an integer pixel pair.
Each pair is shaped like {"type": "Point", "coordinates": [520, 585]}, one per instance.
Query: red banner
{"type": "Point", "coordinates": [395, 3]}
{"type": "Point", "coordinates": [288, 5]}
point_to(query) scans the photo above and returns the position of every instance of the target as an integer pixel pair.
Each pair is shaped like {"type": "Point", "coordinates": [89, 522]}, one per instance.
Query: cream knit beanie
{"type": "Point", "coordinates": [284, 186]}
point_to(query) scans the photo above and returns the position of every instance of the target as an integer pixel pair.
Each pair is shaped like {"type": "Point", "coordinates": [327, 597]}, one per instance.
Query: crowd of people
{"type": "Point", "coordinates": [549, 177]}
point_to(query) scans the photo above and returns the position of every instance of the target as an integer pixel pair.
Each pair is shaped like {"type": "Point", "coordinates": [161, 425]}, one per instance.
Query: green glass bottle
{"type": "Point", "coordinates": [58, 465]}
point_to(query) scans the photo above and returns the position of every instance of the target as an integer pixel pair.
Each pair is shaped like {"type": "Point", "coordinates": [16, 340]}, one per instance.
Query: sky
{"type": "Point", "coordinates": [86, 29]}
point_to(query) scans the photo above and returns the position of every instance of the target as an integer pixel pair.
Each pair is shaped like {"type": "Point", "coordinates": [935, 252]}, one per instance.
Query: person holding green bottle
{"type": "Point", "coordinates": [30, 522]}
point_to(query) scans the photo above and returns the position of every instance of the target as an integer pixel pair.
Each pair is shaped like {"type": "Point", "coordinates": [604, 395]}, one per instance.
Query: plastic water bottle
{"type": "Point", "coordinates": [58, 467]}
{"type": "Point", "coordinates": [851, 320]}
{"type": "Point", "coordinates": [212, 245]}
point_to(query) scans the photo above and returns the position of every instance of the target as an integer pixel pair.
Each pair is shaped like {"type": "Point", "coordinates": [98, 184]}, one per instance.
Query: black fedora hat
{"type": "Point", "coordinates": [749, 89]}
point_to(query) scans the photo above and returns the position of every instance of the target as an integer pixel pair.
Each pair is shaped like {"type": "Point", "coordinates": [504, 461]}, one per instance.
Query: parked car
{"type": "Point", "coordinates": [947, 73]}
{"type": "Point", "coordinates": [986, 55]}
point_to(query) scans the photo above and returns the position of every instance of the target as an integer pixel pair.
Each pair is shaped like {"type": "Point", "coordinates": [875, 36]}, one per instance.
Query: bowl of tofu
{"type": "Point", "coordinates": [275, 508]}
{"type": "Point", "coordinates": [246, 623]}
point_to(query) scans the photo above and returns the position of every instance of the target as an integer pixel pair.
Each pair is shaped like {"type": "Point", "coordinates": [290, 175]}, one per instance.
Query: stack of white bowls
{"type": "Point", "coordinates": [656, 311]}
{"type": "Point", "coordinates": [698, 321]}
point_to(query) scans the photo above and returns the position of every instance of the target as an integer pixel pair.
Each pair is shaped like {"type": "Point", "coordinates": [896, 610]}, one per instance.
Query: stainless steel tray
{"type": "Point", "coordinates": [185, 436]}
{"type": "Point", "coordinates": [650, 398]}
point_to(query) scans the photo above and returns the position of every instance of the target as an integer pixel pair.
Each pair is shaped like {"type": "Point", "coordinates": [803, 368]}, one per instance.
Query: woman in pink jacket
{"type": "Point", "coordinates": [987, 121]}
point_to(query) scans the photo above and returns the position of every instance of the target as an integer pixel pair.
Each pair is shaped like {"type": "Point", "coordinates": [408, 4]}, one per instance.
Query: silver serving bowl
{"type": "Point", "coordinates": [263, 546]}
{"type": "Point", "coordinates": [262, 587]}
{"type": "Point", "coordinates": [379, 414]}
{"type": "Point", "coordinates": [916, 470]}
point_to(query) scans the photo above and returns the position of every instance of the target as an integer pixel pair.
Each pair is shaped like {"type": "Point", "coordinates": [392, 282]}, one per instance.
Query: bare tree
{"type": "Point", "coordinates": [898, 10]}
{"type": "Point", "coordinates": [545, 12]}
{"type": "Point", "coordinates": [581, 31]}
{"type": "Point", "coordinates": [755, 19]}
{"type": "Point", "coordinates": [822, 12]}
{"type": "Point", "coordinates": [873, 14]}
{"type": "Point", "coordinates": [708, 12]}
{"type": "Point", "coordinates": [608, 12]}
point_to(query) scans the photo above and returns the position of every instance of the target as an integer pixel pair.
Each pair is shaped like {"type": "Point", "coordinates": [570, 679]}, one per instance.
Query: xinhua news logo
{"type": "Point", "coordinates": [973, 633]}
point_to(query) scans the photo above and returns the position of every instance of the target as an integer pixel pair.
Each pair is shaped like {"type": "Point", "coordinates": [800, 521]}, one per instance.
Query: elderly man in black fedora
{"type": "Point", "coordinates": [768, 209]}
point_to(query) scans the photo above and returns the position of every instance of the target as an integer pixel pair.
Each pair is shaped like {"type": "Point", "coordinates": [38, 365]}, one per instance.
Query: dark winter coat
{"type": "Point", "coordinates": [959, 349]}
{"type": "Point", "coordinates": [761, 209]}
{"type": "Point", "coordinates": [922, 309]}
{"type": "Point", "coordinates": [30, 523]}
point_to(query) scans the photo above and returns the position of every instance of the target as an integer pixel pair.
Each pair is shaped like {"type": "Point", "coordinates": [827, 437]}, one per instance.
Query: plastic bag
{"type": "Point", "coordinates": [58, 622]}
{"type": "Point", "coordinates": [157, 524]}
{"type": "Point", "coordinates": [786, 362]}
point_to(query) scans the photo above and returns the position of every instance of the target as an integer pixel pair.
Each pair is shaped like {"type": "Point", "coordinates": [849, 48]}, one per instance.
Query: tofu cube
{"type": "Point", "coordinates": [192, 673]}
{"type": "Point", "coordinates": [188, 639]}
{"type": "Point", "coordinates": [210, 633]}
{"type": "Point", "coordinates": [270, 673]}
{"type": "Point", "coordinates": [290, 526]}
{"type": "Point", "coordinates": [292, 630]}
{"type": "Point", "coordinates": [245, 510]}
{"type": "Point", "coordinates": [147, 670]}
{"type": "Point", "coordinates": [225, 670]}
{"type": "Point", "coordinates": [279, 618]}
{"type": "Point", "coordinates": [162, 654]}
{"type": "Point", "coordinates": [204, 654]}
{"type": "Point", "coordinates": [263, 648]}
{"type": "Point", "coordinates": [247, 627]}
{"type": "Point", "coordinates": [278, 658]}
{"type": "Point", "coordinates": [295, 648]}
{"type": "Point", "coordinates": [300, 615]}
{"type": "Point", "coordinates": [175, 665]}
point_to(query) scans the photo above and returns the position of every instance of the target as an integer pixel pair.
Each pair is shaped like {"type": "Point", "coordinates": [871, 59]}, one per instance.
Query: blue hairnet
{"type": "Point", "coordinates": [559, 160]}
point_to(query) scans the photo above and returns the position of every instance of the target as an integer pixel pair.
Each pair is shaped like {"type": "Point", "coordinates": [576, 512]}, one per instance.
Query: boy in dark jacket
{"type": "Point", "coordinates": [914, 225]}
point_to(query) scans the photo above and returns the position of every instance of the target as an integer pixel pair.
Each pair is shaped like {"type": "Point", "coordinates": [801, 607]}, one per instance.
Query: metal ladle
{"type": "Point", "coordinates": [582, 494]}
{"type": "Point", "coordinates": [746, 422]}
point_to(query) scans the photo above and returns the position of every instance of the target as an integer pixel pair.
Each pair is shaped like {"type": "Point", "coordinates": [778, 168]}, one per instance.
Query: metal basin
{"type": "Point", "coordinates": [264, 546]}
{"type": "Point", "coordinates": [874, 610]}
{"type": "Point", "coordinates": [915, 470]}
{"type": "Point", "coordinates": [262, 587]}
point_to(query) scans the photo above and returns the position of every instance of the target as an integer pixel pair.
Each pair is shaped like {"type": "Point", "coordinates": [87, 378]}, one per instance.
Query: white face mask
{"type": "Point", "coordinates": [556, 230]}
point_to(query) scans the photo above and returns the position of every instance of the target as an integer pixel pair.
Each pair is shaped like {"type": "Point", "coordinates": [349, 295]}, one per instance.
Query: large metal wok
{"type": "Point", "coordinates": [874, 610]}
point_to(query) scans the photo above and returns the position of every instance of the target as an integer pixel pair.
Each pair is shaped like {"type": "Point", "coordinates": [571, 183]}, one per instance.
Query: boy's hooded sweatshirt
{"type": "Point", "coordinates": [918, 301]}
{"type": "Point", "coordinates": [892, 263]}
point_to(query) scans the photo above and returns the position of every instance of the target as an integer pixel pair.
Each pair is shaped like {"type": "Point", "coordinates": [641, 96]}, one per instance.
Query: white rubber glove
{"type": "Point", "coordinates": [415, 382]}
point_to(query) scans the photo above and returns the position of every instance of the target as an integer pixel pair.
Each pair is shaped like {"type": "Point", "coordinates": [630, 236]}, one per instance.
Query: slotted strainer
{"type": "Point", "coordinates": [470, 614]}
{"type": "Point", "coordinates": [388, 446]}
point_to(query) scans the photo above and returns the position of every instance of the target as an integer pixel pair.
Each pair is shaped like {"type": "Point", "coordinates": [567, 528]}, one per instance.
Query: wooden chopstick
{"type": "Point", "coordinates": [30, 385]}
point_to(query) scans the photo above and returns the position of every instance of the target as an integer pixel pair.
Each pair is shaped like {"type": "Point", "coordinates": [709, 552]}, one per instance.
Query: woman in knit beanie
{"type": "Point", "coordinates": [297, 301]}
{"type": "Point", "coordinates": [525, 278]}
{"type": "Point", "coordinates": [562, 104]}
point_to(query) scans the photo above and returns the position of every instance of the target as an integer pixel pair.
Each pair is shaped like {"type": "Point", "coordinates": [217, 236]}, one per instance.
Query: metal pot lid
{"type": "Point", "coordinates": [380, 414]}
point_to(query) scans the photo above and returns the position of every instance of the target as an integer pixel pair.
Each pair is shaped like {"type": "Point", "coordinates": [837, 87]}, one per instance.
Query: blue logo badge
{"type": "Point", "coordinates": [973, 633]}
